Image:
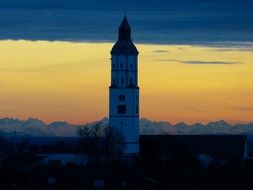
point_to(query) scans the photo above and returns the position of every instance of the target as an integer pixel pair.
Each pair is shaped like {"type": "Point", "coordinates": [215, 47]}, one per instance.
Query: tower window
{"type": "Point", "coordinates": [122, 97]}
{"type": "Point", "coordinates": [121, 109]}
{"type": "Point", "coordinates": [122, 80]}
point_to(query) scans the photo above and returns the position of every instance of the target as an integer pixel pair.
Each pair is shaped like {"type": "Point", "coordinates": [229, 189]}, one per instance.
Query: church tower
{"type": "Point", "coordinates": [124, 90]}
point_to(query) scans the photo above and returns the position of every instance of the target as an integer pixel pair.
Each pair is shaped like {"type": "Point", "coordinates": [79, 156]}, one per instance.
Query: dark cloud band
{"type": "Point", "coordinates": [210, 62]}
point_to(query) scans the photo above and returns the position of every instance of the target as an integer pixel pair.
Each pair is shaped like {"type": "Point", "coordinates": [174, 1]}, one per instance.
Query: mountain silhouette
{"type": "Point", "coordinates": [31, 127]}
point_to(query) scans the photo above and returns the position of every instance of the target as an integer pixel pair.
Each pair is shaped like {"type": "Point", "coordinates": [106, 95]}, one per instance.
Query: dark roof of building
{"type": "Point", "coordinates": [220, 147]}
{"type": "Point", "coordinates": [124, 23]}
{"type": "Point", "coordinates": [124, 47]}
{"type": "Point", "coordinates": [124, 44]}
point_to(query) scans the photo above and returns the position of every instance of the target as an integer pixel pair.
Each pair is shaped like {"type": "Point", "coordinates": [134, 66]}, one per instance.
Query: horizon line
{"type": "Point", "coordinates": [142, 118]}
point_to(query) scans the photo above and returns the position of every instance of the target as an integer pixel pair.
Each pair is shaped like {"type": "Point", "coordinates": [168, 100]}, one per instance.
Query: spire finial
{"type": "Point", "coordinates": [125, 8]}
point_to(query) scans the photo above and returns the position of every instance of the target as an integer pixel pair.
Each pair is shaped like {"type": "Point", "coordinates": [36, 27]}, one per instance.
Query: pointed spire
{"type": "Point", "coordinates": [124, 30]}
{"type": "Point", "coordinates": [124, 45]}
{"type": "Point", "coordinates": [124, 23]}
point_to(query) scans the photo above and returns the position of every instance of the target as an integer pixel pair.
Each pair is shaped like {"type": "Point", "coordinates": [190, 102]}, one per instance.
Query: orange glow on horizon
{"type": "Point", "coordinates": [69, 82]}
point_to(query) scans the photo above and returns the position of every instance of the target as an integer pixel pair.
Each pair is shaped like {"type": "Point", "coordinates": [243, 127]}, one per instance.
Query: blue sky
{"type": "Point", "coordinates": [163, 21]}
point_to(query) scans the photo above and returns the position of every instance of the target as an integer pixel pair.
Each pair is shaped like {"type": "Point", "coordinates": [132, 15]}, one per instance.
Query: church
{"type": "Point", "coordinates": [124, 89]}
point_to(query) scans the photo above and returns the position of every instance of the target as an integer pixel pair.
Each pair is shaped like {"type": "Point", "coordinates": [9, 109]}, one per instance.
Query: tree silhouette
{"type": "Point", "coordinates": [101, 143]}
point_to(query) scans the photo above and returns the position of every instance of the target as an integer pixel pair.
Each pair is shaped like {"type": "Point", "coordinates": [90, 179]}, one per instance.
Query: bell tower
{"type": "Point", "coordinates": [124, 90]}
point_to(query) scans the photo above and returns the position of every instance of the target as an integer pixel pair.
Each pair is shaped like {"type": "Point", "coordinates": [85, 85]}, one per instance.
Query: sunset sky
{"type": "Point", "coordinates": [56, 74]}
{"type": "Point", "coordinates": [69, 81]}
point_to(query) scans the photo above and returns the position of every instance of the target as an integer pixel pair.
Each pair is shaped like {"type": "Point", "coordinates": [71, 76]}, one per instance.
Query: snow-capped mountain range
{"type": "Point", "coordinates": [37, 128]}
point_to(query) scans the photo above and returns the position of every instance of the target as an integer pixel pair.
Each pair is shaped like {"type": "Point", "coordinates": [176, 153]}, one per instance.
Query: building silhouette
{"type": "Point", "coordinates": [124, 90]}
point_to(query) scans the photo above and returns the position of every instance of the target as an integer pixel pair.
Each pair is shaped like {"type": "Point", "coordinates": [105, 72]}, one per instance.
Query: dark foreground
{"type": "Point", "coordinates": [165, 162]}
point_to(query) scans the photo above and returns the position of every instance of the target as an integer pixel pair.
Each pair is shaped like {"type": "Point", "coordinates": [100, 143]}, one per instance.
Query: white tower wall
{"type": "Point", "coordinates": [124, 90]}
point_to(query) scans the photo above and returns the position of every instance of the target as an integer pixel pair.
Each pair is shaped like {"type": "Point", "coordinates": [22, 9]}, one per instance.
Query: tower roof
{"type": "Point", "coordinates": [124, 44]}
{"type": "Point", "coordinates": [124, 23]}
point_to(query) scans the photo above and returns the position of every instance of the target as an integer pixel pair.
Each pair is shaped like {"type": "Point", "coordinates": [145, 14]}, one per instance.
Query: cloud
{"type": "Point", "coordinates": [210, 62]}
{"type": "Point", "coordinates": [228, 46]}
{"type": "Point", "coordinates": [169, 60]}
{"type": "Point", "coordinates": [160, 51]}
{"type": "Point", "coordinates": [201, 62]}
{"type": "Point", "coordinates": [65, 20]}
{"type": "Point", "coordinates": [231, 49]}
{"type": "Point", "coordinates": [181, 48]}
{"type": "Point", "coordinates": [246, 109]}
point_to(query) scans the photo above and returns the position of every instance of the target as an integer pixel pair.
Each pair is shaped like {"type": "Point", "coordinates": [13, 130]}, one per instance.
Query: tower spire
{"type": "Point", "coordinates": [124, 43]}
{"type": "Point", "coordinates": [125, 30]}
{"type": "Point", "coordinates": [125, 8]}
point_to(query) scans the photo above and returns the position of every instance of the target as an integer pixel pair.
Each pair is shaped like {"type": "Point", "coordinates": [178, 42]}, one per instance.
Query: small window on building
{"type": "Point", "coordinates": [131, 65]}
{"type": "Point", "coordinates": [121, 65]}
{"type": "Point", "coordinates": [122, 80]}
{"type": "Point", "coordinates": [122, 97]}
{"type": "Point", "coordinates": [113, 65]}
{"type": "Point", "coordinates": [121, 109]}
{"type": "Point", "coordinates": [131, 81]}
